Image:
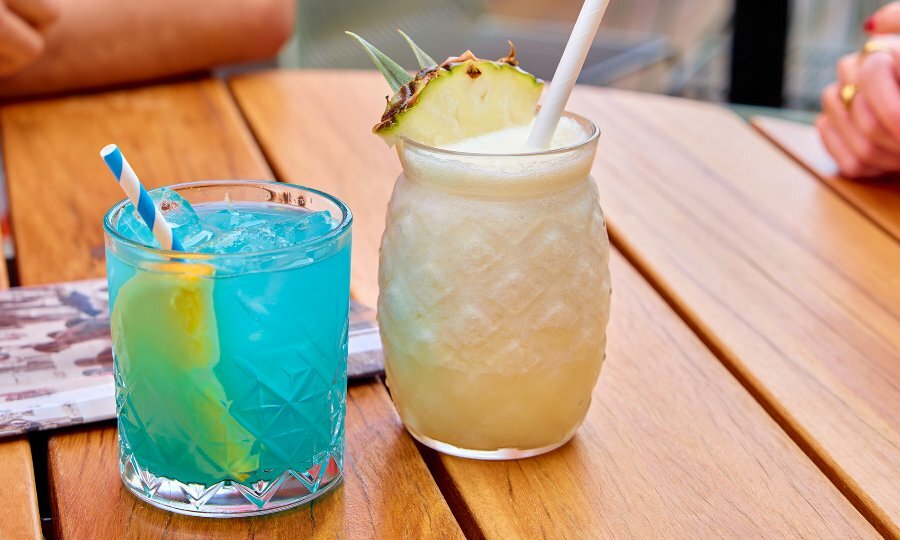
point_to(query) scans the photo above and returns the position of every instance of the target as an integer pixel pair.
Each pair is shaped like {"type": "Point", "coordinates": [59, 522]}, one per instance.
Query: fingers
{"type": "Point", "coordinates": [37, 13]}
{"type": "Point", "coordinates": [885, 21]}
{"type": "Point", "coordinates": [847, 68]}
{"type": "Point", "coordinates": [863, 149]}
{"type": "Point", "coordinates": [864, 138]}
{"type": "Point", "coordinates": [847, 163]}
{"type": "Point", "coordinates": [20, 44]}
{"type": "Point", "coordinates": [864, 119]}
{"type": "Point", "coordinates": [878, 80]}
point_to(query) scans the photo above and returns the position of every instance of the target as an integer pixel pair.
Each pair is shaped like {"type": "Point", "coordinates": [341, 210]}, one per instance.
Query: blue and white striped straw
{"type": "Point", "coordinates": [140, 198]}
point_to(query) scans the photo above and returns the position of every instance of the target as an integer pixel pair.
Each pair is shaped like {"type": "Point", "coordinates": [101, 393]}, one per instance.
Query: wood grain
{"type": "Point", "coordinates": [187, 131]}
{"type": "Point", "coordinates": [796, 289]}
{"type": "Point", "coordinates": [314, 127]}
{"type": "Point", "coordinates": [878, 199]}
{"type": "Point", "coordinates": [385, 491]}
{"type": "Point", "coordinates": [4, 272]}
{"type": "Point", "coordinates": [19, 516]}
{"type": "Point", "coordinates": [673, 446]}
{"type": "Point", "coordinates": [60, 189]}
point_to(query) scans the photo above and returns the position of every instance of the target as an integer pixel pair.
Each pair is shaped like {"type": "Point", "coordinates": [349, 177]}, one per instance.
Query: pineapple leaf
{"type": "Point", "coordinates": [393, 73]}
{"type": "Point", "coordinates": [422, 57]}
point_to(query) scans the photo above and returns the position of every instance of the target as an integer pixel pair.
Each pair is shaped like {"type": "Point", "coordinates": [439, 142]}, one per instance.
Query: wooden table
{"type": "Point", "coordinates": [752, 386]}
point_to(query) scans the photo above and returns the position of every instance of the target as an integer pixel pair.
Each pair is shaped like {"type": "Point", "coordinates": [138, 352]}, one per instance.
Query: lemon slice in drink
{"type": "Point", "coordinates": [165, 337]}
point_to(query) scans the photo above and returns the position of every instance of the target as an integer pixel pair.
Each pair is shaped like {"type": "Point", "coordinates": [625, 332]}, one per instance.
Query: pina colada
{"type": "Point", "coordinates": [494, 281]}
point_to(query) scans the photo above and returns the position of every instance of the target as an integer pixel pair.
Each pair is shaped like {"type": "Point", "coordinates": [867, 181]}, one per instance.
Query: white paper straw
{"type": "Point", "coordinates": [567, 73]}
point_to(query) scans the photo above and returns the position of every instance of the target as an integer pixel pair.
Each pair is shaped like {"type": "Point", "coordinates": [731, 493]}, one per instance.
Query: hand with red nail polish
{"type": "Point", "coordinates": [860, 120]}
{"type": "Point", "coordinates": [884, 21]}
{"type": "Point", "coordinates": [869, 25]}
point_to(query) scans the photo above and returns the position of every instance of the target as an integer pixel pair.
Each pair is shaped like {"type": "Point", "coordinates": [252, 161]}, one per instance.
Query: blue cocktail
{"type": "Point", "coordinates": [231, 357]}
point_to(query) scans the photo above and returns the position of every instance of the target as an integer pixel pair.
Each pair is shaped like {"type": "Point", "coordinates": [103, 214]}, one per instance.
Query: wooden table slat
{"type": "Point", "coordinates": [798, 291]}
{"type": "Point", "coordinates": [316, 142]}
{"type": "Point", "coordinates": [4, 271]}
{"type": "Point", "coordinates": [878, 199]}
{"type": "Point", "coordinates": [385, 492]}
{"type": "Point", "coordinates": [673, 445]}
{"type": "Point", "coordinates": [19, 515]}
{"type": "Point", "coordinates": [59, 189]}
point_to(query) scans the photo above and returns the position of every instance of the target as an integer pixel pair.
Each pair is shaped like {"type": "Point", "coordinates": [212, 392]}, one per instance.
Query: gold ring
{"type": "Point", "coordinates": [848, 92]}
{"type": "Point", "coordinates": [873, 47]}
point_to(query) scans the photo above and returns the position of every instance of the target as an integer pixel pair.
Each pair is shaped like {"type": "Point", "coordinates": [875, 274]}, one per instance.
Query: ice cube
{"type": "Point", "coordinates": [231, 220]}
{"type": "Point", "coordinates": [243, 240]}
{"type": "Point", "coordinates": [294, 231]}
{"type": "Point", "coordinates": [176, 210]}
{"type": "Point", "coordinates": [131, 226]}
{"type": "Point", "coordinates": [181, 216]}
{"type": "Point", "coordinates": [243, 232]}
{"type": "Point", "coordinates": [226, 242]}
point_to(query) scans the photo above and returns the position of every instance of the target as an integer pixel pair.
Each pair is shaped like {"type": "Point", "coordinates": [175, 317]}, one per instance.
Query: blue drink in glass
{"type": "Point", "coordinates": [230, 358]}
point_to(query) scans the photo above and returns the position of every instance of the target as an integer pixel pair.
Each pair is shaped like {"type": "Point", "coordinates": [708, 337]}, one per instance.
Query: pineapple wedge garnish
{"type": "Point", "coordinates": [465, 96]}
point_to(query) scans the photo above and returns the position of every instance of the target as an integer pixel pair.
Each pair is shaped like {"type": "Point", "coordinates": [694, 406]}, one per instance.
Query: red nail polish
{"type": "Point", "coordinates": [869, 25]}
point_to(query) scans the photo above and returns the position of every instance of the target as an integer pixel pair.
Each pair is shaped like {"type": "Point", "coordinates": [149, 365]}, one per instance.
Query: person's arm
{"type": "Point", "coordinates": [21, 38]}
{"type": "Point", "coordinates": [101, 42]}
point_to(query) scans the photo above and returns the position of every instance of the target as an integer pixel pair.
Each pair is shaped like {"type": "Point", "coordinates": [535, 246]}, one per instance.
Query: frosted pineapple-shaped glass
{"type": "Point", "coordinates": [494, 296]}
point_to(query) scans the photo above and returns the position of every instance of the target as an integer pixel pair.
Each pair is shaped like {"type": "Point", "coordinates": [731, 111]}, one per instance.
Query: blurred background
{"type": "Point", "coordinates": [750, 54]}
{"type": "Point", "coordinates": [713, 50]}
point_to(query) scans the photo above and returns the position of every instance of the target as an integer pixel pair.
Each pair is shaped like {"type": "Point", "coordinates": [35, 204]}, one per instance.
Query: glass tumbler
{"type": "Point", "coordinates": [230, 369]}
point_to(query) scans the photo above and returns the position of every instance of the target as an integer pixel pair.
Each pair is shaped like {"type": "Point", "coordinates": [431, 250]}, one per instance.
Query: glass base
{"type": "Point", "coordinates": [228, 498]}
{"type": "Point", "coordinates": [500, 454]}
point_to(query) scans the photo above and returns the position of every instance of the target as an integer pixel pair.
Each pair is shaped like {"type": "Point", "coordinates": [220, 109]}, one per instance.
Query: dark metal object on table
{"type": "Point", "coordinates": [758, 52]}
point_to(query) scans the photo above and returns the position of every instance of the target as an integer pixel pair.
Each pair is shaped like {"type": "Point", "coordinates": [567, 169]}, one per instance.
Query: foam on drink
{"type": "Point", "coordinates": [514, 140]}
